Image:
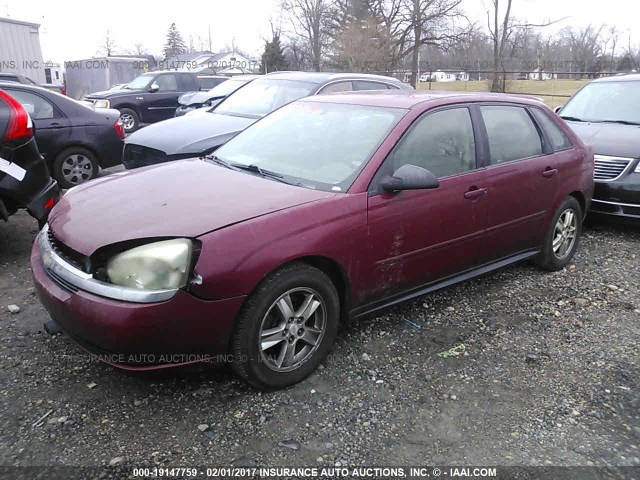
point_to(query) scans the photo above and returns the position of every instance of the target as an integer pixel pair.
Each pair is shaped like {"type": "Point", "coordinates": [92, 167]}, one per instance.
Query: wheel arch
{"type": "Point", "coordinates": [582, 201]}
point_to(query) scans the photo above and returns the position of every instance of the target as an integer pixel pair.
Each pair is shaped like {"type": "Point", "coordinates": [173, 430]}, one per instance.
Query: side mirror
{"type": "Point", "coordinates": [557, 109]}
{"type": "Point", "coordinates": [154, 87]}
{"type": "Point", "coordinates": [410, 177]}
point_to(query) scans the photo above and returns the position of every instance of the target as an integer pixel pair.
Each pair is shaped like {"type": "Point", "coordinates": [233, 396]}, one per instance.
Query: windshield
{"type": "Point", "coordinates": [317, 145]}
{"type": "Point", "coordinates": [264, 96]}
{"type": "Point", "coordinates": [606, 101]}
{"type": "Point", "coordinates": [222, 90]}
{"type": "Point", "coordinates": [140, 82]}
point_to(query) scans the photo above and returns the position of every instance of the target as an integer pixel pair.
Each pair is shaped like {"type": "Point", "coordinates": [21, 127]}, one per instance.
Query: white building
{"type": "Point", "coordinates": [444, 76]}
{"type": "Point", "coordinates": [537, 75]}
{"type": "Point", "coordinates": [53, 73]}
{"type": "Point", "coordinates": [20, 50]}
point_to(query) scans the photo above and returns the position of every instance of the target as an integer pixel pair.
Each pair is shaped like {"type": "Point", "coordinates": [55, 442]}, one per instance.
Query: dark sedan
{"type": "Point", "coordinates": [211, 98]}
{"type": "Point", "coordinates": [333, 206]}
{"type": "Point", "coordinates": [24, 178]}
{"type": "Point", "coordinates": [605, 113]}
{"type": "Point", "coordinates": [202, 131]}
{"type": "Point", "coordinates": [75, 139]}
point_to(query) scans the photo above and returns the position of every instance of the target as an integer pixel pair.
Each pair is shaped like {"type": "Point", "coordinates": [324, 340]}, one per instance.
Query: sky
{"type": "Point", "coordinates": [77, 30]}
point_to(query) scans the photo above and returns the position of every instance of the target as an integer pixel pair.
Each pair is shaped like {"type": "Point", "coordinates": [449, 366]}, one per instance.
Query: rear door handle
{"type": "Point", "coordinates": [549, 172]}
{"type": "Point", "coordinates": [475, 193]}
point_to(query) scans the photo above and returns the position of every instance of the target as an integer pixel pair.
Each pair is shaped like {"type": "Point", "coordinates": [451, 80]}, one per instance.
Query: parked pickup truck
{"type": "Point", "coordinates": [149, 98]}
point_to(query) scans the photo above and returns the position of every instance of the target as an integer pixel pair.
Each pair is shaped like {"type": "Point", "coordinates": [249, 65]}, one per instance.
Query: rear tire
{"type": "Point", "coordinates": [74, 166]}
{"type": "Point", "coordinates": [286, 328]}
{"type": "Point", "coordinates": [130, 120]}
{"type": "Point", "coordinates": [563, 237]}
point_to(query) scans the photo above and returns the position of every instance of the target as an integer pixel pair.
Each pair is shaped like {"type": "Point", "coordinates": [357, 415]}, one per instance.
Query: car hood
{"type": "Point", "coordinates": [197, 98]}
{"type": "Point", "coordinates": [190, 135]}
{"type": "Point", "coordinates": [609, 138]}
{"type": "Point", "coordinates": [186, 198]}
{"type": "Point", "coordinates": [114, 93]}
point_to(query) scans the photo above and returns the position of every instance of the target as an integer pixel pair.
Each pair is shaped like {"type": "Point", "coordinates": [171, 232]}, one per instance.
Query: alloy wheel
{"type": "Point", "coordinates": [564, 235]}
{"type": "Point", "coordinates": [292, 329]}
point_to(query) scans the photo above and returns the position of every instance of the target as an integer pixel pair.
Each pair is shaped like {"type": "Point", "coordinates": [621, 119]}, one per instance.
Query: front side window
{"type": "Point", "coordinates": [337, 87]}
{"type": "Point", "coordinates": [441, 142]}
{"type": "Point", "coordinates": [511, 132]}
{"type": "Point", "coordinates": [317, 145]}
{"type": "Point", "coordinates": [167, 83]}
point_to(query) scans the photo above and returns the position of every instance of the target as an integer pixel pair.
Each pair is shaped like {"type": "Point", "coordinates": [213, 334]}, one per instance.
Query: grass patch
{"type": "Point", "coordinates": [553, 92]}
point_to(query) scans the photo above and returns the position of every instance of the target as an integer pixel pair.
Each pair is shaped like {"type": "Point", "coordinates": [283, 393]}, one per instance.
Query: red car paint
{"type": "Point", "coordinates": [378, 248]}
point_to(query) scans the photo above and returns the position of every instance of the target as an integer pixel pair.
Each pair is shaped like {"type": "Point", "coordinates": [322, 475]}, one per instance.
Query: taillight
{"type": "Point", "coordinates": [119, 129]}
{"type": "Point", "coordinates": [63, 90]}
{"type": "Point", "coordinates": [20, 124]}
{"type": "Point", "coordinates": [49, 204]}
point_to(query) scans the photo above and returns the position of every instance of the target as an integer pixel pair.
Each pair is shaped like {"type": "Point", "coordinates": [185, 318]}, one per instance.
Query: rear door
{"type": "Point", "coordinates": [52, 128]}
{"type": "Point", "coordinates": [418, 237]}
{"type": "Point", "coordinates": [522, 175]}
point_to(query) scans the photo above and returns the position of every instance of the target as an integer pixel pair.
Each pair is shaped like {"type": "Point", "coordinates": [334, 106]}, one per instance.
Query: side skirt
{"type": "Point", "coordinates": [423, 290]}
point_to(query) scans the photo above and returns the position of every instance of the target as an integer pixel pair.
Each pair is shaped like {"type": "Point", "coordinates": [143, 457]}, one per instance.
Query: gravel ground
{"type": "Point", "coordinates": [547, 373]}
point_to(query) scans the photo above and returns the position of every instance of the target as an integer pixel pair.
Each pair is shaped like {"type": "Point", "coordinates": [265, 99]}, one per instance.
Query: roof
{"type": "Point", "coordinates": [625, 77]}
{"type": "Point", "coordinates": [410, 99]}
{"type": "Point", "coordinates": [322, 77]}
{"type": "Point", "coordinates": [19, 22]}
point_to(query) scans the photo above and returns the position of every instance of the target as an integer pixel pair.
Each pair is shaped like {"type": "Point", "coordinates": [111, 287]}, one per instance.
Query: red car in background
{"type": "Point", "coordinates": [331, 207]}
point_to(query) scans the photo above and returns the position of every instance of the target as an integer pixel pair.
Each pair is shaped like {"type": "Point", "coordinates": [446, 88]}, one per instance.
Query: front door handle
{"type": "Point", "coordinates": [56, 125]}
{"type": "Point", "coordinates": [549, 172]}
{"type": "Point", "coordinates": [474, 193]}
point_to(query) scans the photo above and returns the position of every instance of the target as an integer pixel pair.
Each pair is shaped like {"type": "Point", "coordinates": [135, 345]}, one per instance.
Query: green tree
{"type": "Point", "coordinates": [175, 44]}
{"type": "Point", "coordinates": [273, 58]}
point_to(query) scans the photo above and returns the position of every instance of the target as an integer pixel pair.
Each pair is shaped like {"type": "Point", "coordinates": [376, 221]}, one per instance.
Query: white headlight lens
{"type": "Point", "coordinates": [637, 170]}
{"type": "Point", "coordinates": [102, 104]}
{"type": "Point", "coordinates": [156, 266]}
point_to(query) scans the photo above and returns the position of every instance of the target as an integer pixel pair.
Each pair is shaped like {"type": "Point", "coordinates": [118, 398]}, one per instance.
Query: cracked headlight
{"type": "Point", "coordinates": [157, 266]}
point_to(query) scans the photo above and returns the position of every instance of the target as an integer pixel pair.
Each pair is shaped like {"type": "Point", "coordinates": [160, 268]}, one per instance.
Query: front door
{"type": "Point", "coordinates": [161, 104]}
{"type": "Point", "coordinates": [417, 237]}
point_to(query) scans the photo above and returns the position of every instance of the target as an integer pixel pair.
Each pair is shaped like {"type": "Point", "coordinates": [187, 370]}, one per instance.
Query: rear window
{"type": "Point", "coordinates": [559, 141]}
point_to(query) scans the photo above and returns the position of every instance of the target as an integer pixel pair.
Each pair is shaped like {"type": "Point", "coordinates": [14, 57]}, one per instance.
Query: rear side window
{"type": "Point", "coordinates": [559, 141]}
{"type": "Point", "coordinates": [365, 85]}
{"type": "Point", "coordinates": [38, 107]}
{"type": "Point", "coordinates": [512, 133]}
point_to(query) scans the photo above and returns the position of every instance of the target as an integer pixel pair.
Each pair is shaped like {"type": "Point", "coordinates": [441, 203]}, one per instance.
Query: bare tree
{"type": "Point", "coordinates": [138, 49]}
{"type": "Point", "coordinates": [108, 45]}
{"type": "Point", "coordinates": [311, 20]}
{"type": "Point", "coordinates": [585, 45]}
{"type": "Point", "coordinates": [501, 28]}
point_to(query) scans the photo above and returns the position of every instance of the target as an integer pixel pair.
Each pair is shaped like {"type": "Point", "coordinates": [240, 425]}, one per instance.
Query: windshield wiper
{"type": "Point", "coordinates": [218, 161]}
{"type": "Point", "coordinates": [621, 122]}
{"type": "Point", "coordinates": [263, 173]}
{"type": "Point", "coordinates": [571, 119]}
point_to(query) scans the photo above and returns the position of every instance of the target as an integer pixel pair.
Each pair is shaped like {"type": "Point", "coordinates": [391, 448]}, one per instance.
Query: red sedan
{"type": "Point", "coordinates": [331, 207]}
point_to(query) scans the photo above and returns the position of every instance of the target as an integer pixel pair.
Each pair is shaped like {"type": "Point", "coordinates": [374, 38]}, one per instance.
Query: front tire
{"type": "Point", "coordinates": [561, 241]}
{"type": "Point", "coordinates": [130, 120]}
{"type": "Point", "coordinates": [74, 166]}
{"type": "Point", "coordinates": [286, 328]}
